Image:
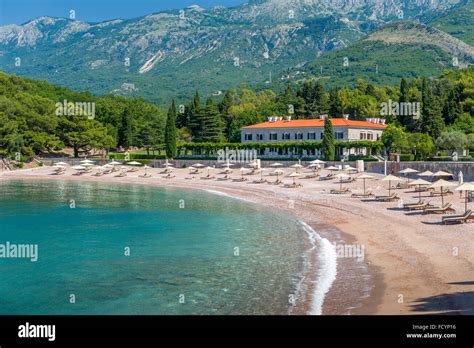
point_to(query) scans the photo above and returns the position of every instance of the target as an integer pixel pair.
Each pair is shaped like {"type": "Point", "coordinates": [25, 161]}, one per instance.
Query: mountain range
{"type": "Point", "coordinates": [172, 53]}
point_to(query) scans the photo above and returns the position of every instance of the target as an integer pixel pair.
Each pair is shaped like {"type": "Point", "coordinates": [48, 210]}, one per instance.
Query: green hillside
{"type": "Point", "coordinates": [458, 22]}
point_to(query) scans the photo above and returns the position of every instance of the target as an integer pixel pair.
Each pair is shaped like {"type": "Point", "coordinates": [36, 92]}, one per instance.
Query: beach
{"type": "Point", "coordinates": [411, 263]}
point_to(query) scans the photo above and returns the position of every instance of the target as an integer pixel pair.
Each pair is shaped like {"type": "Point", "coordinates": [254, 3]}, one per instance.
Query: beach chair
{"type": "Point", "coordinates": [457, 219]}
{"type": "Point", "coordinates": [447, 208]}
{"type": "Point", "coordinates": [260, 181]}
{"type": "Point", "coordinates": [225, 178]}
{"type": "Point", "coordinates": [293, 185]}
{"type": "Point", "coordinates": [362, 195]}
{"type": "Point", "coordinates": [327, 177]}
{"type": "Point", "coordinates": [421, 206]}
{"type": "Point", "coordinates": [406, 205]}
{"type": "Point", "coordinates": [311, 176]}
{"type": "Point", "coordinates": [121, 175]}
{"type": "Point", "coordinates": [208, 177]}
{"type": "Point", "coordinates": [445, 193]}
{"type": "Point", "coordinates": [391, 198]}
{"type": "Point", "coordinates": [240, 180]}
{"type": "Point", "coordinates": [339, 192]}
{"type": "Point", "coordinates": [346, 181]}
{"type": "Point", "coordinates": [169, 176]}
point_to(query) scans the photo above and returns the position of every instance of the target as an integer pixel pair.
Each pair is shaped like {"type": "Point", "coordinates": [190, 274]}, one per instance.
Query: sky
{"type": "Point", "coordinates": [21, 11]}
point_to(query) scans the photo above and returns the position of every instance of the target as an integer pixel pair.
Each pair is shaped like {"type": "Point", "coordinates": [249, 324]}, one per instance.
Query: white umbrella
{"type": "Point", "coordinates": [114, 163]}
{"type": "Point", "coordinates": [134, 163]}
{"type": "Point", "coordinates": [86, 161]}
{"type": "Point", "coordinates": [407, 171]}
{"type": "Point", "coordinates": [198, 165]}
{"type": "Point", "coordinates": [441, 173]}
{"type": "Point", "coordinates": [467, 186]}
{"type": "Point", "coordinates": [350, 169]}
{"type": "Point", "coordinates": [442, 183]}
{"type": "Point", "coordinates": [341, 176]}
{"type": "Point", "coordinates": [276, 164]}
{"type": "Point", "coordinates": [278, 172]}
{"type": "Point", "coordinates": [209, 170]}
{"type": "Point", "coordinates": [317, 162]}
{"type": "Point", "coordinates": [419, 183]}
{"type": "Point", "coordinates": [242, 171]}
{"type": "Point", "coordinates": [294, 175]}
{"type": "Point", "coordinates": [365, 177]}
{"type": "Point", "coordinates": [78, 167]}
{"type": "Point", "coordinates": [297, 166]}
{"type": "Point", "coordinates": [391, 178]}
{"type": "Point", "coordinates": [88, 164]}
{"type": "Point", "coordinates": [61, 164]}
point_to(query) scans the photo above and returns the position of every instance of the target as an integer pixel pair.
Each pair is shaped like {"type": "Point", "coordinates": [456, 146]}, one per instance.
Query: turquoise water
{"type": "Point", "coordinates": [177, 253]}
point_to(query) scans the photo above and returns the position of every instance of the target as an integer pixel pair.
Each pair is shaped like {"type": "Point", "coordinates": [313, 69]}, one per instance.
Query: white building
{"type": "Point", "coordinates": [279, 130]}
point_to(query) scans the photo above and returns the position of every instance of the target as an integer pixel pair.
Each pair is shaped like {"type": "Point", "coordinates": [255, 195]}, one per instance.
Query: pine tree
{"type": "Point", "coordinates": [170, 132]}
{"type": "Point", "coordinates": [404, 120]}
{"type": "Point", "coordinates": [319, 102]}
{"type": "Point", "coordinates": [213, 124]}
{"type": "Point", "coordinates": [335, 104]}
{"type": "Point", "coordinates": [224, 107]}
{"type": "Point", "coordinates": [431, 118]}
{"type": "Point", "coordinates": [452, 107]}
{"type": "Point", "coordinates": [328, 148]}
{"type": "Point", "coordinates": [194, 123]}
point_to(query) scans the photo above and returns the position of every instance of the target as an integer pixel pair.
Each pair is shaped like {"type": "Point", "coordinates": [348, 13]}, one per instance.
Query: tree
{"type": "Point", "coordinates": [224, 107]}
{"type": "Point", "coordinates": [170, 132]}
{"type": "Point", "coordinates": [452, 108]}
{"type": "Point", "coordinates": [431, 119]}
{"type": "Point", "coordinates": [213, 125]}
{"type": "Point", "coordinates": [335, 104]}
{"type": "Point", "coordinates": [421, 144]}
{"type": "Point", "coordinates": [328, 148]}
{"type": "Point", "coordinates": [453, 140]}
{"type": "Point", "coordinates": [194, 116]}
{"type": "Point", "coordinates": [394, 138]}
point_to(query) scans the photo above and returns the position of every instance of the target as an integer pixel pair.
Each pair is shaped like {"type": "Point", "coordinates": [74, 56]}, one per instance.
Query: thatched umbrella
{"type": "Point", "coordinates": [442, 183]}
{"type": "Point", "coordinates": [341, 176]}
{"type": "Point", "coordinates": [294, 175]}
{"type": "Point", "coordinates": [391, 178]}
{"type": "Point", "coordinates": [407, 171]}
{"type": "Point", "coordinates": [466, 187]}
{"type": "Point", "coordinates": [365, 177]}
{"type": "Point", "coordinates": [419, 183]}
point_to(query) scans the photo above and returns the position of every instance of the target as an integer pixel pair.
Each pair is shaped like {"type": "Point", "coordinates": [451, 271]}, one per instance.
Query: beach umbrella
{"type": "Point", "coordinates": [276, 164]}
{"type": "Point", "coordinates": [115, 163]}
{"type": "Point", "coordinates": [209, 170]}
{"type": "Point", "coordinates": [242, 171]}
{"type": "Point", "coordinates": [296, 166]}
{"type": "Point", "coordinates": [391, 178]}
{"type": "Point", "coordinates": [426, 173]}
{"type": "Point", "coordinates": [407, 171]}
{"type": "Point", "coordinates": [278, 172]}
{"type": "Point", "coordinates": [332, 168]}
{"type": "Point", "coordinates": [442, 173]}
{"type": "Point", "coordinates": [78, 167]}
{"type": "Point", "coordinates": [86, 161]}
{"type": "Point", "coordinates": [350, 169]}
{"type": "Point", "coordinates": [146, 168]}
{"type": "Point", "coordinates": [261, 173]}
{"type": "Point", "coordinates": [341, 176]}
{"type": "Point", "coordinates": [198, 165]}
{"type": "Point", "coordinates": [134, 163]}
{"type": "Point", "coordinates": [87, 165]}
{"type": "Point", "coordinates": [365, 177]}
{"type": "Point", "coordinates": [419, 183]}
{"type": "Point", "coordinates": [466, 187]}
{"type": "Point", "coordinates": [294, 175]}
{"type": "Point", "coordinates": [61, 164]}
{"type": "Point", "coordinates": [442, 183]}
{"type": "Point", "coordinates": [317, 162]}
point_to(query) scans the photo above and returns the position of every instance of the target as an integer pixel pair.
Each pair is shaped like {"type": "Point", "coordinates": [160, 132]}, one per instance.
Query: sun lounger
{"type": "Point", "coordinates": [421, 206]}
{"type": "Point", "coordinates": [447, 208]}
{"type": "Point", "coordinates": [457, 219]}
{"type": "Point", "coordinates": [121, 175]}
{"type": "Point", "coordinates": [208, 177]}
{"type": "Point", "coordinates": [423, 189]}
{"type": "Point", "coordinates": [391, 198]}
{"type": "Point", "coordinates": [276, 182]}
{"type": "Point", "coordinates": [345, 181]}
{"type": "Point", "coordinates": [338, 192]}
{"type": "Point", "coordinates": [293, 185]}
{"type": "Point", "coordinates": [362, 195]}
{"type": "Point", "coordinates": [145, 176]}
{"type": "Point", "coordinates": [240, 180]}
{"type": "Point", "coordinates": [311, 176]}
{"type": "Point", "coordinates": [406, 205]}
{"type": "Point", "coordinates": [445, 193]}
{"type": "Point", "coordinates": [225, 178]}
{"type": "Point", "coordinates": [327, 177]}
{"type": "Point", "coordinates": [260, 181]}
{"type": "Point", "coordinates": [400, 186]}
{"type": "Point", "coordinates": [169, 176]}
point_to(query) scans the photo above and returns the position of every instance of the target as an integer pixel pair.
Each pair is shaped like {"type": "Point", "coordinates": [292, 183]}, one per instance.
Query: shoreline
{"type": "Point", "coordinates": [393, 265]}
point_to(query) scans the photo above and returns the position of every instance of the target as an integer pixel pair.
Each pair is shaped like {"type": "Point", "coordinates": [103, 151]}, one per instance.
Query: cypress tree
{"type": "Point", "coordinates": [170, 132]}
{"type": "Point", "coordinates": [212, 122]}
{"type": "Point", "coordinates": [195, 124]}
{"type": "Point", "coordinates": [431, 120]}
{"type": "Point", "coordinates": [335, 104]}
{"type": "Point", "coordinates": [328, 148]}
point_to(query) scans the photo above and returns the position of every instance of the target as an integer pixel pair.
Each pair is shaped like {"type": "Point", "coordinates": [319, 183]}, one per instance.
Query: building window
{"type": "Point", "coordinates": [338, 135]}
{"type": "Point", "coordinates": [298, 136]}
{"type": "Point", "coordinates": [363, 136]}
{"type": "Point", "coordinates": [321, 135]}
{"type": "Point", "coordinates": [273, 136]}
{"type": "Point", "coordinates": [259, 136]}
{"type": "Point", "coordinates": [248, 136]}
{"type": "Point", "coordinates": [286, 136]}
{"type": "Point", "coordinates": [370, 136]}
{"type": "Point", "coordinates": [312, 136]}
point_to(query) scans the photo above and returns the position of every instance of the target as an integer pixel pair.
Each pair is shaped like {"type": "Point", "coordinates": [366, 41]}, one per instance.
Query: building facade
{"type": "Point", "coordinates": [278, 129]}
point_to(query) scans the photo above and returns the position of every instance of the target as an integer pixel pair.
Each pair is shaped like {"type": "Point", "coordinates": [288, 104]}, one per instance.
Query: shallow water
{"type": "Point", "coordinates": [191, 252]}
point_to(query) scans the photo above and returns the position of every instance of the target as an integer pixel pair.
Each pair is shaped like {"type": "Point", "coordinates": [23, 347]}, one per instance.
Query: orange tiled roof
{"type": "Point", "coordinates": [336, 122]}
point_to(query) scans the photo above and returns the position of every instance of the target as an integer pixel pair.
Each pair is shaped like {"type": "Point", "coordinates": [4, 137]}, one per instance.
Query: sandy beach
{"type": "Point", "coordinates": [412, 264]}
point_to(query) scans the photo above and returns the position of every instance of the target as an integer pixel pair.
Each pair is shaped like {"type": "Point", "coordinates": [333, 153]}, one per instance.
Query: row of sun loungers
{"type": "Point", "coordinates": [456, 219]}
